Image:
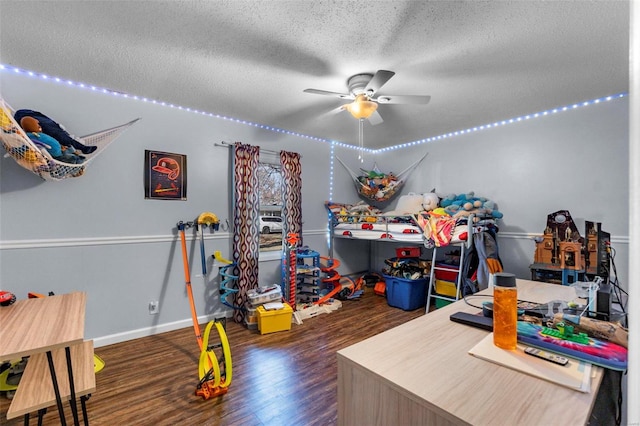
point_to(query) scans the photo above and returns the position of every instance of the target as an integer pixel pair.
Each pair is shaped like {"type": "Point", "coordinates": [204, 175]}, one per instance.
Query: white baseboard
{"type": "Point", "coordinates": [150, 331]}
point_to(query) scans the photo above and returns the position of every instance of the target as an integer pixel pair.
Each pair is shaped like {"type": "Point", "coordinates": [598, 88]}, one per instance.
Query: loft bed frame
{"type": "Point", "coordinates": [396, 228]}
{"type": "Point", "coordinates": [409, 229]}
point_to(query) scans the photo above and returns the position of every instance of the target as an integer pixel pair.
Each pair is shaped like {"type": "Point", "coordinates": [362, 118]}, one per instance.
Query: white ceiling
{"type": "Point", "coordinates": [481, 61]}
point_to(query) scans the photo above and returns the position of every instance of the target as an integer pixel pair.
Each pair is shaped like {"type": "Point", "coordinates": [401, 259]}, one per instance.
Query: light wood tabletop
{"type": "Point", "coordinates": [421, 373]}
{"type": "Point", "coordinates": [36, 388]}
{"type": "Point", "coordinates": [37, 325]}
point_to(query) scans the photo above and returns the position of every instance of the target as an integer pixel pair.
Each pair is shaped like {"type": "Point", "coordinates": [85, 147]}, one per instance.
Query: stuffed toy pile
{"type": "Point", "coordinates": [465, 204]}
{"type": "Point", "coordinates": [378, 186]}
{"type": "Point", "coordinates": [53, 129]}
{"type": "Point", "coordinates": [66, 154]}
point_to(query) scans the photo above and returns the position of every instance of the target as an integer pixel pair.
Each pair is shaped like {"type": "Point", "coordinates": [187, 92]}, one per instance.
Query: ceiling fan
{"type": "Point", "coordinates": [363, 89]}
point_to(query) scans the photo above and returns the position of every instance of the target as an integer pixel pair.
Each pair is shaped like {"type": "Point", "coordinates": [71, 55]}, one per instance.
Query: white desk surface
{"type": "Point", "coordinates": [37, 325]}
{"type": "Point", "coordinates": [426, 360]}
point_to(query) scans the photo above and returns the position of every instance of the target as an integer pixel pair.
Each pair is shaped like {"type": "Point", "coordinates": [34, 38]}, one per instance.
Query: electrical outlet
{"type": "Point", "coordinates": [154, 307]}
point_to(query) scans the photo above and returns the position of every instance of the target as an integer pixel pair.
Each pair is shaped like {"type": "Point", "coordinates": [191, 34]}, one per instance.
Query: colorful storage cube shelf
{"type": "Point", "coordinates": [442, 303]}
{"type": "Point", "coordinates": [446, 288]}
{"type": "Point", "coordinates": [406, 294]}
{"type": "Point", "coordinates": [275, 320]}
{"type": "Point", "coordinates": [451, 274]}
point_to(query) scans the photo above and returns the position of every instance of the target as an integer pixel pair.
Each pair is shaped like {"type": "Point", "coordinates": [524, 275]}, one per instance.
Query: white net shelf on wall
{"type": "Point", "coordinates": [36, 159]}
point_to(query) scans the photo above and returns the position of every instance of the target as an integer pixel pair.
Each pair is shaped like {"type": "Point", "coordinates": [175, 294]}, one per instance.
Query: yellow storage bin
{"type": "Point", "coordinates": [275, 320]}
{"type": "Point", "coordinates": [446, 288]}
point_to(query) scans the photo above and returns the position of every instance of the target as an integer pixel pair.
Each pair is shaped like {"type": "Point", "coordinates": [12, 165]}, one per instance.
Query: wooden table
{"type": "Point", "coordinates": [43, 325]}
{"type": "Point", "coordinates": [420, 373]}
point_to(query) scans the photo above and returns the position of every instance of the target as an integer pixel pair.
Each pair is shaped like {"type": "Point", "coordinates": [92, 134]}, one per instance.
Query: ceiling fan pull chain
{"type": "Point", "coordinates": [361, 140]}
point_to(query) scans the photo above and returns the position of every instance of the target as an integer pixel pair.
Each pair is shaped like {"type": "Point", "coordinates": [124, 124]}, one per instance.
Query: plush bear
{"type": "Point", "coordinates": [53, 129]}
{"type": "Point", "coordinates": [408, 204]}
{"type": "Point", "coordinates": [32, 127]}
{"type": "Point", "coordinates": [429, 201]}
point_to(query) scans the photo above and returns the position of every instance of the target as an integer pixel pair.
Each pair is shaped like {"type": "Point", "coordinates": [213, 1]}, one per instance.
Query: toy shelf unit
{"type": "Point", "coordinates": [445, 279]}
{"type": "Point", "coordinates": [308, 276]}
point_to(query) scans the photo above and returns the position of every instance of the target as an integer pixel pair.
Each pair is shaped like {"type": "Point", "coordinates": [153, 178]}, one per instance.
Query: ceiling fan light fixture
{"type": "Point", "coordinates": [362, 107]}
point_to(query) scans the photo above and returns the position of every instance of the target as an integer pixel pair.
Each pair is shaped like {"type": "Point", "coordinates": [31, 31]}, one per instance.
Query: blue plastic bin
{"type": "Point", "coordinates": [406, 294]}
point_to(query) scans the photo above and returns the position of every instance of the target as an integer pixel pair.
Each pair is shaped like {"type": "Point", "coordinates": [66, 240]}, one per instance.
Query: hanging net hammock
{"type": "Point", "coordinates": [36, 158]}
{"type": "Point", "coordinates": [378, 186]}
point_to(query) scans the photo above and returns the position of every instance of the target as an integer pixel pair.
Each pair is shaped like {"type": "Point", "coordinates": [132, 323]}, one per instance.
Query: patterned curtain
{"type": "Point", "coordinates": [292, 218]}
{"type": "Point", "coordinates": [291, 193]}
{"type": "Point", "coordinates": [246, 236]}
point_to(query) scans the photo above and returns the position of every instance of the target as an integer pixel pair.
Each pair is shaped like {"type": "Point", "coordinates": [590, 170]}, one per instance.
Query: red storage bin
{"type": "Point", "coordinates": [451, 274]}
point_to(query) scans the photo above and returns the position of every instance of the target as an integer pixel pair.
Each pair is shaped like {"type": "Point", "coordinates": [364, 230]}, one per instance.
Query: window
{"type": "Point", "coordinates": [270, 179]}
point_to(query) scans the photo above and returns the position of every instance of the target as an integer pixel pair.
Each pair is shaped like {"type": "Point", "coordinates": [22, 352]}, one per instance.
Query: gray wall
{"type": "Point", "coordinates": [575, 160]}
{"type": "Point", "coordinates": [98, 234]}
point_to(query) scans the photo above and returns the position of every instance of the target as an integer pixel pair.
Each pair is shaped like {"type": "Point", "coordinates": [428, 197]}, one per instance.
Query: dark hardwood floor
{"type": "Point", "coordinates": [284, 378]}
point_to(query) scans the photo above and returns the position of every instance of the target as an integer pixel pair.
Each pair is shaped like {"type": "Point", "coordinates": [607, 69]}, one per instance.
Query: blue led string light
{"type": "Point", "coordinates": [331, 157]}
{"type": "Point", "coordinates": [288, 132]}
{"type": "Point", "coordinates": [155, 102]}
{"type": "Point", "coordinates": [505, 122]}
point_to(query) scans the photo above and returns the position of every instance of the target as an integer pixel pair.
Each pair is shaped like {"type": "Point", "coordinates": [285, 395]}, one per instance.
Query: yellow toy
{"type": "Point", "coordinates": [214, 380]}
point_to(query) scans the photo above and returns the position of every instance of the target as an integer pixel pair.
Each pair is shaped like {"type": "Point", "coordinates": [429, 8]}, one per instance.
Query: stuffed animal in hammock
{"type": "Point", "coordinates": [65, 154]}
{"type": "Point", "coordinates": [53, 129]}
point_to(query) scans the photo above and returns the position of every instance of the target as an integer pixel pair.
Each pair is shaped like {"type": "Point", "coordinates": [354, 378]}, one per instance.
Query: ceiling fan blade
{"type": "Point", "coordinates": [327, 93]}
{"type": "Point", "coordinates": [332, 112]}
{"type": "Point", "coordinates": [375, 118]}
{"type": "Point", "coordinates": [378, 80]}
{"type": "Point", "coordinates": [403, 99]}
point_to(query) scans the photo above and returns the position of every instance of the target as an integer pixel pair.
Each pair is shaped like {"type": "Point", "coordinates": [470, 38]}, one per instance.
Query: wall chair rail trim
{"type": "Point", "coordinates": [100, 241]}
{"type": "Point", "coordinates": [617, 239]}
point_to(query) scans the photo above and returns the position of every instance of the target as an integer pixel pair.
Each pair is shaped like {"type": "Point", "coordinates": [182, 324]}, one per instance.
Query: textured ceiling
{"type": "Point", "coordinates": [481, 61]}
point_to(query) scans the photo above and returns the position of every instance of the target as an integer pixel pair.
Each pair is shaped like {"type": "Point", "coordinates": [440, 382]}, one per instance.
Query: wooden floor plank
{"type": "Point", "coordinates": [288, 377]}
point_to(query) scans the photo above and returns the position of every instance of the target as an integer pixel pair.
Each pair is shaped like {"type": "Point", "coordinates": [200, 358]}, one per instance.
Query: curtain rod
{"type": "Point", "coordinates": [230, 145]}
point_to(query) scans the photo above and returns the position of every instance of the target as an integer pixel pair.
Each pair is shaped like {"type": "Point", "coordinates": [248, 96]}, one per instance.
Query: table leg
{"type": "Point", "coordinates": [56, 389]}
{"type": "Point", "coordinates": [72, 388]}
{"type": "Point", "coordinates": [41, 414]}
{"type": "Point", "coordinates": [83, 401]}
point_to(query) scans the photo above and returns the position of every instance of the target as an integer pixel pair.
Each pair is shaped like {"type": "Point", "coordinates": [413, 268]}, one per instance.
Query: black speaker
{"type": "Point", "coordinates": [603, 302]}
{"type": "Point", "coordinates": [602, 268]}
